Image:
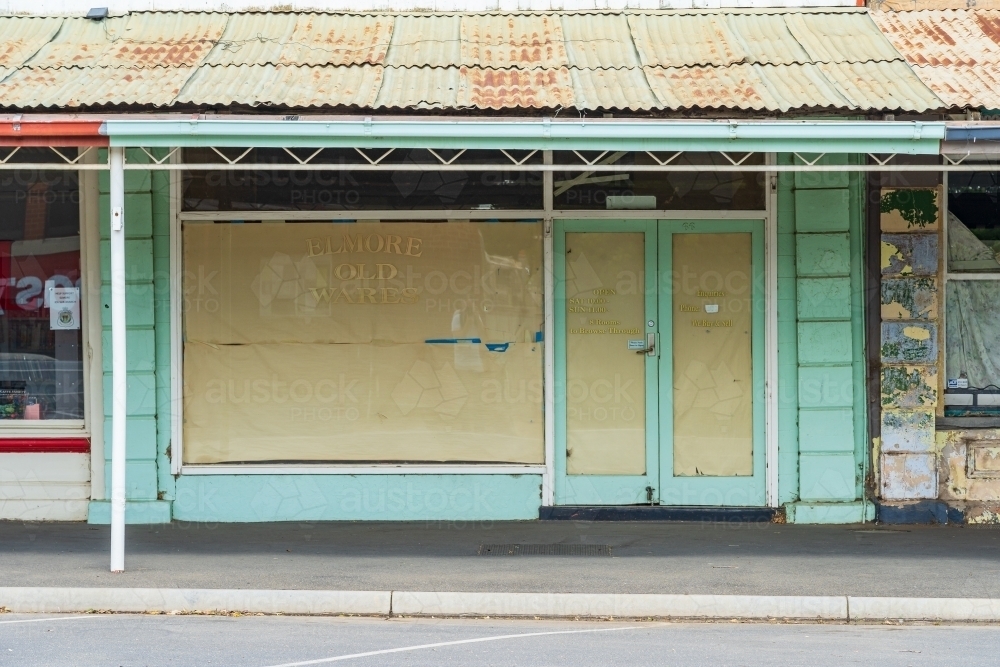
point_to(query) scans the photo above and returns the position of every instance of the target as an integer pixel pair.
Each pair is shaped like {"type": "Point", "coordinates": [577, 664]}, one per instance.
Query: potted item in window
{"type": "Point", "coordinates": [32, 408]}
{"type": "Point", "coordinates": [13, 399]}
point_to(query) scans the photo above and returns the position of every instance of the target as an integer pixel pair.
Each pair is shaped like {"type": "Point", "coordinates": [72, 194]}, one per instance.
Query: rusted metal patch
{"type": "Point", "coordinates": [512, 88]}
{"type": "Point", "coordinates": [909, 254]}
{"type": "Point", "coordinates": [737, 87]}
{"type": "Point", "coordinates": [72, 88]}
{"type": "Point", "coordinates": [22, 37]}
{"type": "Point", "coordinates": [171, 39]}
{"type": "Point", "coordinates": [909, 386]}
{"type": "Point", "coordinates": [909, 298]}
{"type": "Point", "coordinates": [513, 40]}
{"type": "Point", "coordinates": [304, 39]}
{"type": "Point", "coordinates": [940, 38]}
{"type": "Point", "coordinates": [909, 342]}
{"type": "Point", "coordinates": [285, 84]}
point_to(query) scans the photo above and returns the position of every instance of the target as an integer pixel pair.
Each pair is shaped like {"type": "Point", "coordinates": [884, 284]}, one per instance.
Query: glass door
{"type": "Point", "coordinates": [606, 407]}
{"type": "Point", "coordinates": [711, 376]}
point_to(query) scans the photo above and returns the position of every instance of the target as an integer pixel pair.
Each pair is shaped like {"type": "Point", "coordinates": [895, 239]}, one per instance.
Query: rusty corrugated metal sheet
{"type": "Point", "coordinates": [890, 85]}
{"type": "Point", "coordinates": [612, 89]}
{"type": "Point", "coordinates": [945, 38]}
{"type": "Point", "coordinates": [172, 39]}
{"type": "Point", "coordinates": [419, 88]}
{"type": "Point", "coordinates": [764, 60]}
{"type": "Point", "coordinates": [767, 39]}
{"type": "Point", "coordinates": [736, 87]}
{"type": "Point", "coordinates": [513, 40]}
{"type": "Point", "coordinates": [22, 37]}
{"type": "Point", "coordinates": [515, 88]}
{"type": "Point", "coordinates": [956, 53]}
{"type": "Point", "coordinates": [840, 38]}
{"type": "Point", "coordinates": [304, 39]}
{"type": "Point", "coordinates": [71, 87]}
{"type": "Point", "coordinates": [426, 41]}
{"type": "Point", "coordinates": [285, 85]}
{"type": "Point", "coordinates": [599, 41]}
{"type": "Point", "coordinates": [685, 40]}
{"type": "Point", "coordinates": [962, 87]}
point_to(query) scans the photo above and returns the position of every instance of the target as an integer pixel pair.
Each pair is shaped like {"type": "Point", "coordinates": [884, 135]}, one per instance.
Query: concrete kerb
{"type": "Point", "coordinates": [843, 609]}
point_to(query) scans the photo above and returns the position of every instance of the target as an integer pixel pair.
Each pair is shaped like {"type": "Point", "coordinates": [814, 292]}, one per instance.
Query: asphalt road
{"type": "Point", "coordinates": [646, 557]}
{"type": "Point", "coordinates": [268, 641]}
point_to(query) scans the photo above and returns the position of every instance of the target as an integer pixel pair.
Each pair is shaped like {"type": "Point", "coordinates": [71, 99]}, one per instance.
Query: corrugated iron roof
{"type": "Point", "coordinates": [273, 84]}
{"type": "Point", "coordinates": [303, 39]}
{"type": "Point", "coordinates": [773, 60]}
{"type": "Point", "coordinates": [173, 39]}
{"type": "Point", "coordinates": [22, 37]}
{"type": "Point", "coordinates": [955, 52]}
{"type": "Point", "coordinates": [514, 41]}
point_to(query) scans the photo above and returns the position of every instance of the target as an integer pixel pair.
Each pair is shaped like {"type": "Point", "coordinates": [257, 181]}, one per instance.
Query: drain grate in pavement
{"type": "Point", "coordinates": [544, 550]}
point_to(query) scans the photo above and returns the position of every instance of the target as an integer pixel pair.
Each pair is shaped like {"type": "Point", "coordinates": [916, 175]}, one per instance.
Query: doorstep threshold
{"type": "Point", "coordinates": [657, 513]}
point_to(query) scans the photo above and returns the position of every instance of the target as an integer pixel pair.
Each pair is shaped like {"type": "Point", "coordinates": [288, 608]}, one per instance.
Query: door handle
{"type": "Point", "coordinates": [650, 349]}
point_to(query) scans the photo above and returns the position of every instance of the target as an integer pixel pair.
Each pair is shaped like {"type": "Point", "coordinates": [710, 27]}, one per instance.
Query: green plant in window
{"type": "Point", "coordinates": [918, 207]}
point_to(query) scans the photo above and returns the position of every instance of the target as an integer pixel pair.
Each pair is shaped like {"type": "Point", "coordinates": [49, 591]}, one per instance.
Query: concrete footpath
{"type": "Point", "coordinates": [582, 569]}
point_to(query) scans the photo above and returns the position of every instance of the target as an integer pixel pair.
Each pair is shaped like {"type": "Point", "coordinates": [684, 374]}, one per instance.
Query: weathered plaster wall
{"type": "Point", "coordinates": [924, 474]}
{"type": "Point", "coordinates": [969, 472]}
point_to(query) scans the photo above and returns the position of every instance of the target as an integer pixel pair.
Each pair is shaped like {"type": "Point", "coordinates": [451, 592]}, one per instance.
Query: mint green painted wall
{"type": "Point", "coordinates": [251, 498]}
{"type": "Point", "coordinates": [788, 368]}
{"type": "Point", "coordinates": [144, 329]}
{"type": "Point", "coordinates": [829, 331]}
{"type": "Point", "coordinates": [160, 196]}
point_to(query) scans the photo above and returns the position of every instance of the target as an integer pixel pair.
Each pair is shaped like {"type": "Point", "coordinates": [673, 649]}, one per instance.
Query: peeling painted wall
{"type": "Point", "coordinates": [969, 472]}
{"type": "Point", "coordinates": [910, 222]}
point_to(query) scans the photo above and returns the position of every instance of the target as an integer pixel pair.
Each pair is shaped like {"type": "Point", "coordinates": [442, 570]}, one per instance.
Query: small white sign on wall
{"type": "Point", "coordinates": [64, 308]}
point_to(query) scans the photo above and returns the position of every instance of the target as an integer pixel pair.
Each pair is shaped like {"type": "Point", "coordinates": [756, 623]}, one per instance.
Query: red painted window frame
{"type": "Point", "coordinates": [46, 445]}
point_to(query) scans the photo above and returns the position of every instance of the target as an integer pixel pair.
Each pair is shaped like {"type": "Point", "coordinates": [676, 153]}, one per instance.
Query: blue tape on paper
{"type": "Point", "coordinates": [538, 337]}
{"type": "Point", "coordinates": [497, 347]}
{"type": "Point", "coordinates": [453, 341]}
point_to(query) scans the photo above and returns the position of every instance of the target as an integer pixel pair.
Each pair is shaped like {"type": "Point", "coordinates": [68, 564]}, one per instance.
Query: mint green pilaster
{"type": "Point", "coordinates": [142, 485]}
{"type": "Point", "coordinates": [829, 327]}
{"type": "Point", "coordinates": [788, 369]}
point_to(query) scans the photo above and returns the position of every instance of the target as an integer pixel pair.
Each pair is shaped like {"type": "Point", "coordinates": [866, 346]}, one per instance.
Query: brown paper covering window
{"type": "Point", "coordinates": [363, 342]}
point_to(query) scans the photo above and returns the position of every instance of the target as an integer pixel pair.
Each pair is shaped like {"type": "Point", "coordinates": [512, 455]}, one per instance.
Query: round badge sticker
{"type": "Point", "coordinates": [65, 317]}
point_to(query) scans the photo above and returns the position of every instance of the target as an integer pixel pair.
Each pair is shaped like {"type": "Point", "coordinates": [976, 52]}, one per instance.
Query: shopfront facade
{"type": "Point", "coordinates": [489, 312]}
{"type": "Point", "coordinates": [390, 363]}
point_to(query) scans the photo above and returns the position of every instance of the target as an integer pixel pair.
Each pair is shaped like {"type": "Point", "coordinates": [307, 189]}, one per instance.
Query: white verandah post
{"type": "Point", "coordinates": [119, 385]}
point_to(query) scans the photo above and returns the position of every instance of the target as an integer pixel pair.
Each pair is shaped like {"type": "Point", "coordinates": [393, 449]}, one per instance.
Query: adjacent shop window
{"type": "Point", "coordinates": [973, 295]}
{"type": "Point", "coordinates": [41, 369]}
{"type": "Point", "coordinates": [339, 189]}
{"type": "Point", "coordinates": [671, 190]}
{"type": "Point", "coordinates": [362, 342]}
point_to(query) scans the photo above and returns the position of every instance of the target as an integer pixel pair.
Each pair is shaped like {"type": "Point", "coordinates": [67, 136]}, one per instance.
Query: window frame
{"type": "Point", "coordinates": [90, 290]}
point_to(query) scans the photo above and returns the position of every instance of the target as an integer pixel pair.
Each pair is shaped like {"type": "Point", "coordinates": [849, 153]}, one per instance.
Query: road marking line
{"type": "Point", "coordinates": [421, 647]}
{"type": "Point", "coordinates": [52, 618]}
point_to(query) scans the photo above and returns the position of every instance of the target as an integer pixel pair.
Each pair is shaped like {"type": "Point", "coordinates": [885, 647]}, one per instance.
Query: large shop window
{"type": "Point", "coordinates": [343, 189]}
{"type": "Point", "coordinates": [671, 190]}
{"type": "Point", "coordinates": [41, 369]}
{"type": "Point", "coordinates": [362, 342]}
{"type": "Point", "coordinates": [973, 295]}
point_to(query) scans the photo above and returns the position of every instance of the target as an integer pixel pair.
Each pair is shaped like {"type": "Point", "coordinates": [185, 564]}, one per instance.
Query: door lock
{"type": "Point", "coordinates": [650, 349]}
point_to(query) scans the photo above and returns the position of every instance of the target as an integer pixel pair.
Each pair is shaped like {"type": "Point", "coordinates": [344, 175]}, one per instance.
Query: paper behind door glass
{"type": "Point", "coordinates": [605, 380]}
{"type": "Point", "coordinates": [713, 372]}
